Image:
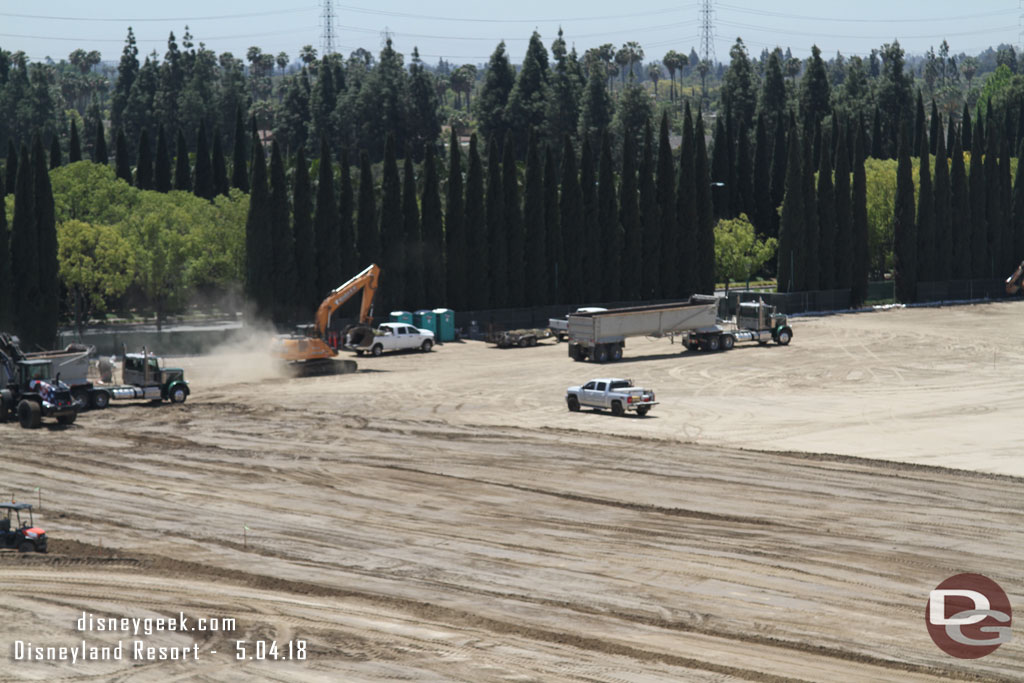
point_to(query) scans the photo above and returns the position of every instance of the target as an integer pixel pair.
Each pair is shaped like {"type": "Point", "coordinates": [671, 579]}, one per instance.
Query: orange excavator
{"type": "Point", "coordinates": [312, 353]}
{"type": "Point", "coordinates": [1013, 283]}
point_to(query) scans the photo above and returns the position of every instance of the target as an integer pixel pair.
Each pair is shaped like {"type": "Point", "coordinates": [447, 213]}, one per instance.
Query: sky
{"type": "Point", "coordinates": [468, 32]}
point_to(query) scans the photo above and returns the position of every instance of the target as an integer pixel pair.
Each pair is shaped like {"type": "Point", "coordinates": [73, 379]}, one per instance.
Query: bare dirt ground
{"type": "Point", "coordinates": [442, 516]}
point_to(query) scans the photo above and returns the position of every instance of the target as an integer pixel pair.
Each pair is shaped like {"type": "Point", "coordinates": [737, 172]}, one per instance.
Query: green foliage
{"type": "Point", "coordinates": [739, 252]}
{"type": "Point", "coordinates": [512, 223]}
{"type": "Point", "coordinates": [536, 259]}
{"type": "Point", "coordinates": [905, 262]}
{"type": "Point", "coordinates": [97, 264]}
{"type": "Point", "coordinates": [499, 79]}
{"type": "Point", "coordinates": [455, 228]}
{"type": "Point", "coordinates": [392, 259]}
{"type": "Point", "coordinates": [327, 227]}
{"type": "Point", "coordinates": [498, 241]}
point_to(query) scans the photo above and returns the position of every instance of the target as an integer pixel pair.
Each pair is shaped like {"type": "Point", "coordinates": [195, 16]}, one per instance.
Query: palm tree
{"type": "Point", "coordinates": [674, 62]}
{"type": "Point", "coordinates": [654, 73]}
{"type": "Point", "coordinates": [635, 54]}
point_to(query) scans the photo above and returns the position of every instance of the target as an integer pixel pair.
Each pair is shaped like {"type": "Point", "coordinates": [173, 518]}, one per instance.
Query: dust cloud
{"type": "Point", "coordinates": [245, 357]}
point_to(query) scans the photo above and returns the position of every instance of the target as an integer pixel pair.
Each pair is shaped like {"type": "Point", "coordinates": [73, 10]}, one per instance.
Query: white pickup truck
{"type": "Point", "coordinates": [389, 337]}
{"type": "Point", "coordinates": [560, 326]}
{"type": "Point", "coordinates": [617, 395]}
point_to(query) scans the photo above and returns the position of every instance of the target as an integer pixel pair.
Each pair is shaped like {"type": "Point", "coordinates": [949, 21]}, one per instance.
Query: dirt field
{"type": "Point", "coordinates": [442, 516]}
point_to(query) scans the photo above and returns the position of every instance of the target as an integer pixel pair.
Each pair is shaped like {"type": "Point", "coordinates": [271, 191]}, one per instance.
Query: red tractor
{"type": "Point", "coordinates": [17, 534]}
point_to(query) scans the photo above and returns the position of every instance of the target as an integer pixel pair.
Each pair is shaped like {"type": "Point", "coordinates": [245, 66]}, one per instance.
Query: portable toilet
{"type": "Point", "coordinates": [425, 320]}
{"type": "Point", "coordinates": [445, 324]}
{"type": "Point", "coordinates": [404, 317]}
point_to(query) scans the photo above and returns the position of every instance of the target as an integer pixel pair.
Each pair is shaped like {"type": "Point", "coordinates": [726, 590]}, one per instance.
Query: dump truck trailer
{"type": "Point", "coordinates": [600, 336]}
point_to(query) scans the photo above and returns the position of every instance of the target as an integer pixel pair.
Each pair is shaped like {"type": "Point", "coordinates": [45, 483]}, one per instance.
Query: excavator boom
{"type": "Point", "coordinates": [1013, 283]}
{"type": "Point", "coordinates": [365, 281]}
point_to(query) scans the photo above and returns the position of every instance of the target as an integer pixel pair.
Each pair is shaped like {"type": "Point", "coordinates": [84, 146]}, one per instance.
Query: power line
{"type": "Point", "coordinates": [140, 20]}
{"type": "Point", "coordinates": [407, 15]}
{"type": "Point", "coordinates": [917, 20]}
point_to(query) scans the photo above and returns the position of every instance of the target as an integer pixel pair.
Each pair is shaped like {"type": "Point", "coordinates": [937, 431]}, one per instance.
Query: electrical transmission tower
{"type": "Point", "coordinates": [327, 28]}
{"type": "Point", "coordinates": [707, 46]}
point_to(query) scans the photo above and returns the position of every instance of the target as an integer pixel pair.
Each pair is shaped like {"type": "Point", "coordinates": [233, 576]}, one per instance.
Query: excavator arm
{"type": "Point", "coordinates": [365, 281]}
{"type": "Point", "coordinates": [1013, 283]}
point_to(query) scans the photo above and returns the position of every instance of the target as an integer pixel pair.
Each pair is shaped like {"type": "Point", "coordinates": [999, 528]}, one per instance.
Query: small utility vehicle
{"type": "Point", "coordinates": [20, 534]}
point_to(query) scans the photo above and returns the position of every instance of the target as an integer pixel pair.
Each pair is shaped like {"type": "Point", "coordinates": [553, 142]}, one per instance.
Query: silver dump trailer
{"type": "Point", "coordinates": [601, 336]}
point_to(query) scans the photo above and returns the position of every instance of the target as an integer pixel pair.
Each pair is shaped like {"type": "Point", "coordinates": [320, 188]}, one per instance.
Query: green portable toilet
{"type": "Point", "coordinates": [404, 317]}
{"type": "Point", "coordinates": [445, 324]}
{"type": "Point", "coordinates": [425, 320]}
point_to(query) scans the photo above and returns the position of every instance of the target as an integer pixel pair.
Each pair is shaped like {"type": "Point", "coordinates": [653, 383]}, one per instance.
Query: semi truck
{"type": "Point", "coordinates": [755, 321]}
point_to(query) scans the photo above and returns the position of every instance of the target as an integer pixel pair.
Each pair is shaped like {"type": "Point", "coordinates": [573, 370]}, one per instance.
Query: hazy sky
{"type": "Point", "coordinates": [463, 31]}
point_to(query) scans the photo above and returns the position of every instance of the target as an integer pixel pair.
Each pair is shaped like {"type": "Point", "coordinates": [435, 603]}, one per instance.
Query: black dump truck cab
{"type": "Point", "coordinates": [29, 393]}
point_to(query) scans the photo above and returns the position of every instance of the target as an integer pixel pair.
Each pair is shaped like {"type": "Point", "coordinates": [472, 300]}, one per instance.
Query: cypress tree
{"type": "Point", "coordinates": [122, 166]}
{"type": "Point", "coordinates": [809, 254]}
{"type": "Point", "coordinates": [24, 250]}
{"type": "Point", "coordinates": [6, 284]}
{"type": "Point", "coordinates": [920, 138]}
{"type": "Point", "coordinates": [1005, 259]}
{"type": "Point", "coordinates": [240, 155]}
{"type": "Point", "coordinates": [1017, 210]}
{"type": "Point", "coordinates": [220, 168]}
{"type": "Point", "coordinates": [412, 239]}
{"type": "Point", "coordinates": [455, 228]}
{"type": "Point", "coordinates": [282, 241]}
{"type": "Point", "coordinates": [841, 263]}
{"type": "Point", "coordinates": [258, 246]}
{"type": "Point", "coordinates": [993, 212]}
{"type": "Point", "coordinates": [204, 169]}
{"type": "Point", "coordinates": [629, 218]}
{"type": "Point", "coordinates": [570, 218]}
{"type": "Point", "coordinates": [960, 212]}
{"type": "Point", "coordinates": [649, 238]}
{"type": "Point", "coordinates": [943, 252]}
{"type": "Point", "coordinates": [791, 226]}
{"type": "Point", "coordinates": [950, 136]}
{"type": "Point", "coordinates": [684, 259]}
{"type": "Point", "coordinates": [433, 233]}
{"type": "Point", "coordinates": [512, 224]}
{"type": "Point", "coordinates": [743, 177]}
{"type": "Point", "coordinates": [327, 250]}
{"type": "Point", "coordinates": [590, 247]}
{"type": "Point", "coordinates": [720, 171]}
{"type": "Point", "coordinates": [534, 226]}
{"type": "Point", "coordinates": [926, 247]}
{"type": "Point", "coordinates": [351, 259]}
{"type": "Point", "coordinates": [11, 168]}
{"type": "Point", "coordinates": [144, 162]}
{"type": "Point", "coordinates": [780, 152]}
{"type": "Point", "coordinates": [878, 149]}
{"type": "Point", "coordinates": [55, 153]}
{"type": "Point", "coordinates": [612, 237]}
{"type": "Point", "coordinates": [367, 232]}
{"type": "Point", "coordinates": [392, 258]}
{"type": "Point", "coordinates": [666, 197]}
{"type": "Point", "coordinates": [477, 272]}
{"type": "Point", "coordinates": [99, 150]}
{"type": "Point", "coordinates": [307, 297]}
{"type": "Point", "coordinates": [966, 129]}
{"type": "Point", "coordinates": [827, 222]}
{"type": "Point", "coordinates": [935, 129]}
{"type": "Point", "coordinates": [705, 216]}
{"type": "Point", "coordinates": [977, 193]}
{"type": "Point", "coordinates": [162, 168]}
{"type": "Point", "coordinates": [904, 237]}
{"type": "Point", "coordinates": [762, 207]}
{"type": "Point", "coordinates": [48, 307]}
{"type": "Point", "coordinates": [182, 168]}
{"type": "Point", "coordinates": [75, 144]}
{"type": "Point", "coordinates": [861, 263]}
{"type": "Point", "coordinates": [555, 245]}
{"type": "Point", "coordinates": [495, 229]}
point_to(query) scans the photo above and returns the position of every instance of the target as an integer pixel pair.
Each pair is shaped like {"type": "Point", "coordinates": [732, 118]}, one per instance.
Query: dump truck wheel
{"type": "Point", "coordinates": [600, 354]}
{"type": "Point", "coordinates": [574, 404]}
{"type": "Point", "coordinates": [29, 414]}
{"type": "Point", "coordinates": [67, 419]}
{"type": "Point", "coordinates": [100, 400]}
{"type": "Point", "coordinates": [784, 336]}
{"type": "Point", "coordinates": [523, 342]}
{"type": "Point", "coordinates": [712, 344]}
{"type": "Point", "coordinates": [377, 349]}
{"type": "Point", "coordinates": [728, 341]}
{"type": "Point", "coordinates": [643, 410]}
{"type": "Point", "coordinates": [617, 409]}
{"type": "Point", "coordinates": [179, 395]}
{"type": "Point", "coordinates": [616, 352]}
{"type": "Point", "coordinates": [427, 345]}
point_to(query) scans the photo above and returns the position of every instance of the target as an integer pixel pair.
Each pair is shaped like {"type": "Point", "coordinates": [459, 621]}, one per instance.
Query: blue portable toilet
{"type": "Point", "coordinates": [445, 324]}
{"type": "Point", "coordinates": [425, 320]}
{"type": "Point", "coordinates": [404, 317]}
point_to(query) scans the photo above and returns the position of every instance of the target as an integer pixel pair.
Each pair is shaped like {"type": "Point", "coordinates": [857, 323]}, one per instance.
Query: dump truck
{"type": "Point", "coordinates": [755, 321]}
{"type": "Point", "coordinates": [560, 326]}
{"type": "Point", "coordinates": [29, 391]}
{"type": "Point", "coordinates": [601, 335]}
{"type": "Point", "coordinates": [142, 377]}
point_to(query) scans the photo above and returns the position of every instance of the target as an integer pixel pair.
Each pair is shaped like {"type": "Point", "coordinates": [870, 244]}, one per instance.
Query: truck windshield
{"type": "Point", "coordinates": [621, 384]}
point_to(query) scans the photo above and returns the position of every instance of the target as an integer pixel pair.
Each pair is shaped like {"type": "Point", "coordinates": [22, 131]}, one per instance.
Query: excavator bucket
{"type": "Point", "coordinates": [1013, 283]}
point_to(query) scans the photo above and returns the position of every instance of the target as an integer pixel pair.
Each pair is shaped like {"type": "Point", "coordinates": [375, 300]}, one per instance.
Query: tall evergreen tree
{"type": "Point", "coordinates": [512, 224]}
{"type": "Point", "coordinates": [960, 212]}
{"type": "Point", "coordinates": [534, 227]}
{"type": "Point", "coordinates": [827, 221]}
{"type": "Point", "coordinates": [1005, 260]}
{"type": "Point", "coordinates": [859, 199]}
{"type": "Point", "coordinates": [926, 247]}
{"type": "Point", "coordinates": [56, 157]}
{"type": "Point", "coordinates": [496, 229]}
{"type": "Point", "coordinates": [367, 226]}
{"type": "Point", "coordinates": [411, 237]}
{"type": "Point", "coordinates": [99, 150]}
{"type": "Point", "coordinates": [455, 228]}
{"type": "Point", "coordinates": [527, 103]}
{"type": "Point", "coordinates": [791, 226]}
{"type": "Point", "coordinates": [763, 208]}
{"type": "Point", "coordinates": [649, 237]}
{"type": "Point", "coordinates": [570, 220]}
{"type": "Point", "coordinates": [240, 155]}
{"type": "Point", "coordinates": [684, 258]}
{"type": "Point", "coordinates": [6, 284]}
{"type": "Point", "coordinates": [307, 298]}
{"type": "Point", "coordinates": [122, 165]}
{"type": "Point", "coordinates": [596, 107]}
{"type": "Point", "coordinates": [11, 168]}
{"type": "Point", "coordinates": [258, 244]}
{"type": "Point", "coordinates": [742, 196]}
{"type": "Point", "coordinates": [629, 219]}
{"type": "Point", "coordinates": [879, 144]}
{"type": "Point", "coordinates": [220, 168]}
{"type": "Point", "coordinates": [144, 162]}
{"type": "Point", "coordinates": [48, 306]}
{"type": "Point", "coordinates": [590, 247]}
{"type": "Point", "coordinates": [993, 208]}
{"type": "Point", "coordinates": [720, 179]}
{"type": "Point", "coordinates": [162, 167]}
{"type": "Point", "coordinates": [327, 249]}
{"type": "Point", "coordinates": [935, 129]}
{"type": "Point", "coordinates": [282, 240]}
{"type": "Point", "coordinates": [74, 144]}
{"type": "Point", "coordinates": [966, 129]}
{"type": "Point", "coordinates": [950, 136]}
{"type": "Point", "coordinates": [705, 215]}
{"type": "Point", "coordinates": [920, 135]}
{"type": "Point", "coordinates": [352, 261]}
{"type": "Point", "coordinates": [182, 167]}
{"type": "Point", "coordinates": [977, 193]}
{"type": "Point", "coordinates": [1017, 210]}
{"type": "Point", "coordinates": [943, 253]}
{"type": "Point", "coordinates": [562, 114]}
{"type": "Point", "coordinates": [499, 79]}
{"type": "Point", "coordinates": [477, 272]}
{"type": "Point", "coordinates": [814, 91]}
{"type": "Point", "coordinates": [433, 234]}
{"type": "Point", "coordinates": [24, 251]}
{"type": "Point", "coordinates": [555, 244]}
{"type": "Point", "coordinates": [812, 230]}
{"type": "Point", "coordinates": [841, 263]}
{"type": "Point", "coordinates": [204, 167]}
{"type": "Point", "coordinates": [904, 228]}
{"type": "Point", "coordinates": [610, 228]}
{"type": "Point", "coordinates": [780, 153]}
{"type": "Point", "coordinates": [393, 257]}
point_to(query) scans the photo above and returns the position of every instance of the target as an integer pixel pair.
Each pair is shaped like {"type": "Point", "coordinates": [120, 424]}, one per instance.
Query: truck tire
{"type": "Point", "coordinates": [179, 394]}
{"type": "Point", "coordinates": [574, 404]}
{"type": "Point", "coordinates": [600, 353]}
{"type": "Point", "coordinates": [29, 414]}
{"type": "Point", "coordinates": [5, 405]}
{"type": "Point", "coordinates": [427, 345]}
{"type": "Point", "coordinates": [377, 349]}
{"type": "Point", "coordinates": [643, 410]}
{"type": "Point", "coordinates": [617, 409]}
{"type": "Point", "coordinates": [713, 343]}
{"type": "Point", "coordinates": [67, 419]}
{"type": "Point", "coordinates": [617, 352]}
{"type": "Point", "coordinates": [100, 399]}
{"type": "Point", "coordinates": [728, 341]}
{"type": "Point", "coordinates": [523, 342]}
{"type": "Point", "coordinates": [784, 336]}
